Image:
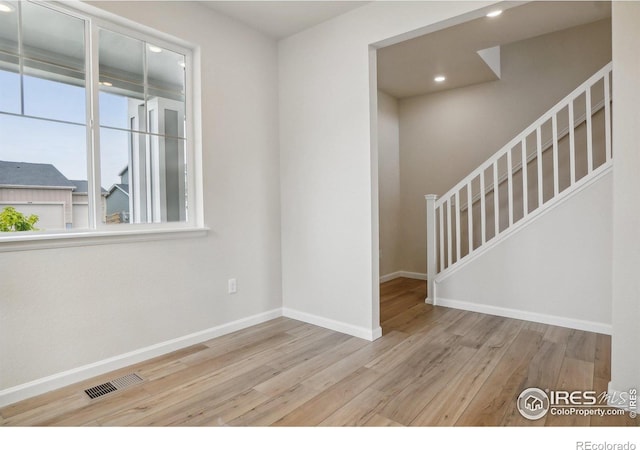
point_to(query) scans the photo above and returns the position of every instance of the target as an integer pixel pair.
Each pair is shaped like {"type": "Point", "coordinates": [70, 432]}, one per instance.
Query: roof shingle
{"type": "Point", "coordinates": [32, 174]}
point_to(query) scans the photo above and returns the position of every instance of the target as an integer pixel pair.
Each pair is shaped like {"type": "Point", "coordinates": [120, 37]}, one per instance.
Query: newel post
{"type": "Point", "coordinates": [431, 247]}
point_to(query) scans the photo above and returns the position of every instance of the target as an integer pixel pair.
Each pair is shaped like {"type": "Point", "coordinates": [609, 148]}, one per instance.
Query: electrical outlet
{"type": "Point", "coordinates": [232, 287]}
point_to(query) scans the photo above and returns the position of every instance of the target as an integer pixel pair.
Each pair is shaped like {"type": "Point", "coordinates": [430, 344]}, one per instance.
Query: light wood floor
{"type": "Point", "coordinates": [433, 366]}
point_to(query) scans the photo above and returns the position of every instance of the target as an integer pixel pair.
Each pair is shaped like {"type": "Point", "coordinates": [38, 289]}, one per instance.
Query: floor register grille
{"type": "Point", "coordinates": [113, 385]}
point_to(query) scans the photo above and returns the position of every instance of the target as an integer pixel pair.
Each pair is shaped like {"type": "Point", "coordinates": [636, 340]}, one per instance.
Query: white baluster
{"type": "Point", "coordinates": [496, 199]}
{"type": "Point", "coordinates": [510, 185]}
{"type": "Point", "coordinates": [539, 156]}
{"type": "Point", "coordinates": [483, 209]}
{"type": "Point", "coordinates": [458, 209]}
{"type": "Point", "coordinates": [589, 131]}
{"type": "Point", "coordinates": [607, 116]}
{"type": "Point", "coordinates": [572, 143]}
{"type": "Point", "coordinates": [449, 236]}
{"type": "Point", "coordinates": [431, 246]}
{"type": "Point", "coordinates": [525, 181]}
{"type": "Point", "coordinates": [554, 129]}
{"type": "Point", "coordinates": [441, 233]}
{"type": "Point", "coordinates": [470, 216]}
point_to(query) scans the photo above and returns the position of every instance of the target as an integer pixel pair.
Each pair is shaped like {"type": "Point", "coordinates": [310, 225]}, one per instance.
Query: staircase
{"type": "Point", "coordinates": [559, 154]}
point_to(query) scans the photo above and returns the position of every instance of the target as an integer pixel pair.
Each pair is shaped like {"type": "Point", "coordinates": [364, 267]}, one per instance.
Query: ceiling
{"type": "Point", "coordinates": [280, 19]}
{"type": "Point", "coordinates": [409, 67]}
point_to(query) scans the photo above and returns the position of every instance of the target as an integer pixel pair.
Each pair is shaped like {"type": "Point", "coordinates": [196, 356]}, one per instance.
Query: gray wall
{"type": "Point", "coordinates": [389, 185]}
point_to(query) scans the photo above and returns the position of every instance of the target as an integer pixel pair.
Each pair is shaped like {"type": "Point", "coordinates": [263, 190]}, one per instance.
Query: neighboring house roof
{"type": "Point", "coordinates": [126, 169]}
{"type": "Point", "coordinates": [82, 187]}
{"type": "Point", "coordinates": [32, 174]}
{"type": "Point", "coordinates": [121, 187]}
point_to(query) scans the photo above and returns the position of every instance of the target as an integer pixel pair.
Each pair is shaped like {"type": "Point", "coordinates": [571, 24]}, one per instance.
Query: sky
{"type": "Point", "coordinates": [61, 144]}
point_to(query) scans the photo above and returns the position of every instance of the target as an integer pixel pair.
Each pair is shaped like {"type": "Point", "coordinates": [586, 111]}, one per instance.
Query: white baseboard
{"type": "Point", "coordinates": [567, 322]}
{"type": "Point", "coordinates": [341, 327]}
{"type": "Point", "coordinates": [62, 379]}
{"type": "Point", "coordinates": [403, 274]}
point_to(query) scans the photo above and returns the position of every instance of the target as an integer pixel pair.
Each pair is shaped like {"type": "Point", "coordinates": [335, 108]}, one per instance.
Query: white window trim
{"type": "Point", "coordinates": [127, 233]}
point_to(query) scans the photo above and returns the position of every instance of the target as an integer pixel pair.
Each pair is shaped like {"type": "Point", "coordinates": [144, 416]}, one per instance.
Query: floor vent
{"type": "Point", "coordinates": [100, 390]}
{"type": "Point", "coordinates": [114, 385]}
{"type": "Point", "coordinates": [126, 381]}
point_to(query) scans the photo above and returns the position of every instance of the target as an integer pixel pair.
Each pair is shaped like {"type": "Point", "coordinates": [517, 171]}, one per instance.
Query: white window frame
{"type": "Point", "coordinates": [98, 232]}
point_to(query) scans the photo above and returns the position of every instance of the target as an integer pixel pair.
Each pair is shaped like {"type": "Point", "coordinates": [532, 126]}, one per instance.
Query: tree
{"type": "Point", "coordinates": [12, 220]}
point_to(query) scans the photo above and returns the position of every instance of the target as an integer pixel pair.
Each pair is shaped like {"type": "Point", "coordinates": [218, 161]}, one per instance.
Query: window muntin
{"type": "Point", "coordinates": [139, 137]}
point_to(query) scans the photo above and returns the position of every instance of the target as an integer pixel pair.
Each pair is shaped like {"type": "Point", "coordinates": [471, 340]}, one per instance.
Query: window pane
{"type": "Point", "coordinates": [43, 171]}
{"type": "Point", "coordinates": [121, 79]}
{"type": "Point", "coordinates": [171, 118]}
{"type": "Point", "coordinates": [149, 142]}
{"type": "Point", "coordinates": [9, 27]}
{"type": "Point", "coordinates": [115, 147]}
{"type": "Point", "coordinates": [10, 91]}
{"type": "Point", "coordinates": [144, 176]}
{"type": "Point", "coordinates": [121, 57]}
{"type": "Point", "coordinates": [53, 100]}
{"type": "Point", "coordinates": [52, 37]}
{"type": "Point", "coordinates": [168, 164]}
{"type": "Point", "coordinates": [176, 183]}
{"type": "Point", "coordinates": [53, 67]}
{"type": "Point", "coordinates": [165, 74]}
{"type": "Point", "coordinates": [117, 110]}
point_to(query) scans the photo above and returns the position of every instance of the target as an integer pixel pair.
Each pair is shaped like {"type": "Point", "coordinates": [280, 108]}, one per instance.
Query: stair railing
{"type": "Point", "coordinates": [484, 209]}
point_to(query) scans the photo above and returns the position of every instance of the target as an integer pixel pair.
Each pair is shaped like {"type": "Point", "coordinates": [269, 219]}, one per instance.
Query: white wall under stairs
{"type": "Point", "coordinates": [555, 269]}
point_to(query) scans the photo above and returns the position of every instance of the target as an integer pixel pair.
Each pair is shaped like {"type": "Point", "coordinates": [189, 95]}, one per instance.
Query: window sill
{"type": "Point", "coordinates": [88, 238]}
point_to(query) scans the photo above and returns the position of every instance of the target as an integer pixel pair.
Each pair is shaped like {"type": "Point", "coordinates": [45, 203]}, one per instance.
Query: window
{"type": "Point", "coordinates": [94, 125]}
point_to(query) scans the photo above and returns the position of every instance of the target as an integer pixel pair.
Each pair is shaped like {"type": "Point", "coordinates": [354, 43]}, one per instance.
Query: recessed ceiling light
{"type": "Point", "coordinates": [439, 79]}
{"type": "Point", "coordinates": [106, 83]}
{"type": "Point", "coordinates": [5, 7]}
{"type": "Point", "coordinates": [495, 13]}
{"type": "Point", "coordinates": [154, 49]}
